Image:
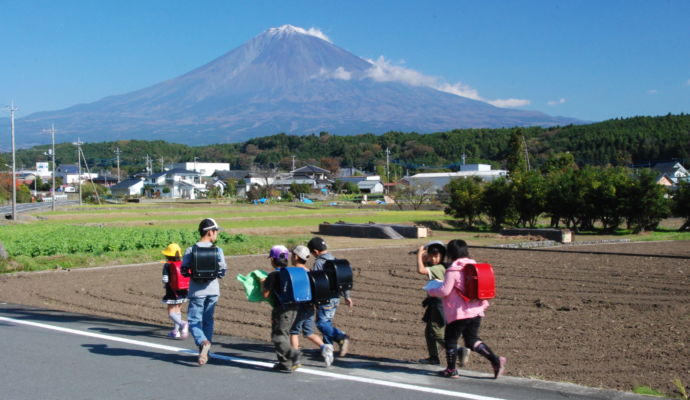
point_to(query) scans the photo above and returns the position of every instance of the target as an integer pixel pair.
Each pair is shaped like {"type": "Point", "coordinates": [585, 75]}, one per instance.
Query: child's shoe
{"type": "Point", "coordinates": [450, 373]}
{"type": "Point", "coordinates": [344, 346]}
{"type": "Point", "coordinates": [327, 354]}
{"type": "Point", "coordinates": [500, 367]}
{"type": "Point", "coordinates": [174, 334]}
{"type": "Point", "coordinates": [184, 333]}
{"type": "Point", "coordinates": [203, 352]}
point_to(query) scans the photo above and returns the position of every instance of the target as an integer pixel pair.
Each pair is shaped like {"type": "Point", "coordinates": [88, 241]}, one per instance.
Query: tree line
{"type": "Point", "coordinates": [616, 142]}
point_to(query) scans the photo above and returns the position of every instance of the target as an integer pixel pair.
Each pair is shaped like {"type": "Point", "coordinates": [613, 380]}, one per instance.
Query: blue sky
{"type": "Point", "coordinates": [591, 60]}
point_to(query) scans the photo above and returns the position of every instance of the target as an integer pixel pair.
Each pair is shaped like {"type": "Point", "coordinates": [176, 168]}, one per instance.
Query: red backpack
{"type": "Point", "coordinates": [176, 280]}
{"type": "Point", "coordinates": [479, 282]}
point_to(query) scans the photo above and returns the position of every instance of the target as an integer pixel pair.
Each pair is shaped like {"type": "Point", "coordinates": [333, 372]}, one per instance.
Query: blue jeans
{"type": "Point", "coordinates": [324, 321]}
{"type": "Point", "coordinates": [200, 318]}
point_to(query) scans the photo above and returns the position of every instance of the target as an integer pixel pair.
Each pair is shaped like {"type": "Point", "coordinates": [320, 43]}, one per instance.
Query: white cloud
{"type": "Point", "coordinates": [688, 82]}
{"type": "Point", "coordinates": [652, 91]}
{"type": "Point", "coordinates": [339, 73]}
{"type": "Point", "coordinates": [384, 71]}
{"type": "Point", "coordinates": [556, 102]}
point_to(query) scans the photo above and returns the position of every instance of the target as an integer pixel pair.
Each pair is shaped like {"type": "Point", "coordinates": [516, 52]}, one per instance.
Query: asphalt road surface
{"type": "Point", "coordinates": [56, 355]}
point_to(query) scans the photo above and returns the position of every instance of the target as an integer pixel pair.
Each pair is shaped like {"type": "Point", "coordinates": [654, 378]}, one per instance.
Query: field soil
{"type": "Point", "coordinates": [614, 316]}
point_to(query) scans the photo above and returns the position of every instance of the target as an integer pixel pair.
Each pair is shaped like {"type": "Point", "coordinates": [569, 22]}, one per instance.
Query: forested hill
{"type": "Point", "coordinates": [637, 140]}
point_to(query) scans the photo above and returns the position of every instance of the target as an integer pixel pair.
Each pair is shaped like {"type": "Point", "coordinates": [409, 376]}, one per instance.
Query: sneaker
{"type": "Point", "coordinates": [296, 360]}
{"type": "Point", "coordinates": [449, 373]}
{"type": "Point", "coordinates": [344, 346]}
{"type": "Point", "coordinates": [174, 334]}
{"type": "Point", "coordinates": [327, 354]}
{"type": "Point", "coordinates": [429, 361]}
{"type": "Point", "coordinates": [203, 352]}
{"type": "Point", "coordinates": [463, 356]}
{"type": "Point", "coordinates": [184, 333]}
{"type": "Point", "coordinates": [281, 368]}
{"type": "Point", "coordinates": [500, 367]}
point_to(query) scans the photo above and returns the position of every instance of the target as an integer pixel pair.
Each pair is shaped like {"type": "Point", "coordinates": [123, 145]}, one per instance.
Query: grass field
{"type": "Point", "coordinates": [132, 233]}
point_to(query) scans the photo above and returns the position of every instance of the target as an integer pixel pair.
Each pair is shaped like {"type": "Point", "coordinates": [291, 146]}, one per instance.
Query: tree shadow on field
{"type": "Point", "coordinates": [175, 358]}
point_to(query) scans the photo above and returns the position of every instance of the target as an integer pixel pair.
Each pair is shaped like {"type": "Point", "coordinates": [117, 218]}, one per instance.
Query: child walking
{"type": "Point", "coordinates": [304, 322]}
{"type": "Point", "coordinates": [430, 264]}
{"type": "Point", "coordinates": [463, 318]}
{"type": "Point", "coordinates": [176, 289]}
{"type": "Point", "coordinates": [326, 312]}
{"type": "Point", "coordinates": [282, 315]}
{"type": "Point", "coordinates": [203, 293]}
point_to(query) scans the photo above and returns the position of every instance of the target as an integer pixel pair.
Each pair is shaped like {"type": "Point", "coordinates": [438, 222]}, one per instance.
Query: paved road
{"type": "Point", "coordinates": [26, 207]}
{"type": "Point", "coordinates": [55, 355]}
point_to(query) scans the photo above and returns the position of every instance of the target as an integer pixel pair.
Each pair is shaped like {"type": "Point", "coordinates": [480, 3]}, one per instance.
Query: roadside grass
{"type": "Point", "coordinates": [648, 391]}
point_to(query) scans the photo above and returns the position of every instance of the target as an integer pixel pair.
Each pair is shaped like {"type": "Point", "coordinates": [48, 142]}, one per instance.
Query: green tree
{"type": "Point", "coordinates": [529, 196]}
{"type": "Point", "coordinates": [23, 194]}
{"type": "Point", "coordinates": [93, 193]}
{"type": "Point", "coordinates": [681, 203]}
{"type": "Point", "coordinates": [497, 202]}
{"type": "Point", "coordinates": [413, 195]}
{"type": "Point", "coordinates": [464, 200]}
{"type": "Point", "coordinates": [646, 203]}
{"type": "Point", "coordinates": [516, 162]}
{"type": "Point", "coordinates": [299, 188]}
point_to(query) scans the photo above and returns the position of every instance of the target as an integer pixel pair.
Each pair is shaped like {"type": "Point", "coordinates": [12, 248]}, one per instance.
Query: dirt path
{"type": "Point", "coordinates": [619, 318]}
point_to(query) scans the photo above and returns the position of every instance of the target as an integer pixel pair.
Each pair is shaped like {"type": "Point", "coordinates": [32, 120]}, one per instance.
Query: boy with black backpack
{"type": "Point", "coordinates": [205, 264]}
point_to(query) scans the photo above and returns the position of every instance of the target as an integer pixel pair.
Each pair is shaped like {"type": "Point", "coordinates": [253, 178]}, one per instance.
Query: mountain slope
{"type": "Point", "coordinates": [284, 80]}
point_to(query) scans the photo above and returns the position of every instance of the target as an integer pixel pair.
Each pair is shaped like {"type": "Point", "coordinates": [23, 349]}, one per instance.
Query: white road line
{"type": "Point", "coordinates": [174, 349]}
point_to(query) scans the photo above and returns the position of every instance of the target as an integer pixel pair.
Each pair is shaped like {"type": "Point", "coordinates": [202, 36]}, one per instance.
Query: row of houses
{"type": "Point", "coordinates": [192, 180]}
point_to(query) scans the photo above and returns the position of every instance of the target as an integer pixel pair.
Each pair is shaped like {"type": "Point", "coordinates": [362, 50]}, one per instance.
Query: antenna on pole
{"type": "Point", "coordinates": [12, 109]}
{"type": "Point", "coordinates": [52, 157]}
{"type": "Point", "coordinates": [117, 155]}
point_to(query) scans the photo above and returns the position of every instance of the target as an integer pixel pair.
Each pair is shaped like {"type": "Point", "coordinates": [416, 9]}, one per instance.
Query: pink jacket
{"type": "Point", "coordinates": [454, 306]}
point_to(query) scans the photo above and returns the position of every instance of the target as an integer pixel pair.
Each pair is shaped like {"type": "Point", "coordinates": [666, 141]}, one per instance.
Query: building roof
{"type": "Point", "coordinates": [232, 174]}
{"type": "Point", "coordinates": [68, 169]}
{"type": "Point", "coordinates": [174, 171]}
{"type": "Point", "coordinates": [126, 184]}
{"type": "Point", "coordinates": [310, 169]}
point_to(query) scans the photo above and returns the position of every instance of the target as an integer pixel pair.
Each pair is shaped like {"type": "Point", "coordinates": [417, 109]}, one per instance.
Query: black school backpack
{"type": "Point", "coordinates": [204, 263]}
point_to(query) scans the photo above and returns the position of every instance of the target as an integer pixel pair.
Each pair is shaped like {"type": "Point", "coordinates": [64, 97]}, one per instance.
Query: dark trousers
{"type": "Point", "coordinates": [282, 318]}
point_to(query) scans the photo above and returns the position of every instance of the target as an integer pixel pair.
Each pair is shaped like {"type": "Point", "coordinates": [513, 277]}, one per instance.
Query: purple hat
{"type": "Point", "coordinates": [279, 251]}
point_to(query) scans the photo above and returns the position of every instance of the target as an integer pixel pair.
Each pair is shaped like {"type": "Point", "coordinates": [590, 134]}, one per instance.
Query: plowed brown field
{"type": "Point", "coordinates": [614, 316]}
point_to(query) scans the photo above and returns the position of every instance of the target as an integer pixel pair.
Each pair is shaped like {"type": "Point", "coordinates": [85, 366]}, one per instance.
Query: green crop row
{"type": "Point", "coordinates": [35, 241]}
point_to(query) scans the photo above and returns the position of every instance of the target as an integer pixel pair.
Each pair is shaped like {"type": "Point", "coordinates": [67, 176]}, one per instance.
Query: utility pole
{"type": "Point", "coordinates": [524, 142]}
{"type": "Point", "coordinates": [117, 156]}
{"type": "Point", "coordinates": [52, 157]}
{"type": "Point", "coordinates": [293, 163]}
{"type": "Point", "coordinates": [149, 170]}
{"type": "Point", "coordinates": [78, 143]}
{"type": "Point", "coordinates": [162, 164]}
{"type": "Point", "coordinates": [12, 109]}
{"type": "Point", "coordinates": [388, 171]}
{"type": "Point", "coordinates": [195, 158]}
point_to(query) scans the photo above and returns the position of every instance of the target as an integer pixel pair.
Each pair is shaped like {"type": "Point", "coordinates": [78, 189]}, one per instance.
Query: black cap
{"type": "Point", "coordinates": [317, 243]}
{"type": "Point", "coordinates": [208, 224]}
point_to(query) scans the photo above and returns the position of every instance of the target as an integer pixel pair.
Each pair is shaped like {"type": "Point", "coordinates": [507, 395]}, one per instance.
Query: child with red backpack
{"type": "Point", "coordinates": [176, 288]}
{"type": "Point", "coordinates": [463, 315]}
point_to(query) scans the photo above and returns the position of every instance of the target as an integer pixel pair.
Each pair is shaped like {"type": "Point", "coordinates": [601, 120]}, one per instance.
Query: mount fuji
{"type": "Point", "coordinates": [286, 79]}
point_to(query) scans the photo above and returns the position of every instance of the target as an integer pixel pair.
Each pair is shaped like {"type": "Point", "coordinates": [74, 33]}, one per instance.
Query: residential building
{"type": "Point", "coordinates": [670, 173]}
{"type": "Point", "coordinates": [128, 187]}
{"type": "Point", "coordinates": [203, 168]}
{"type": "Point", "coordinates": [70, 174]}
{"type": "Point", "coordinates": [438, 180]}
{"type": "Point", "coordinates": [176, 183]}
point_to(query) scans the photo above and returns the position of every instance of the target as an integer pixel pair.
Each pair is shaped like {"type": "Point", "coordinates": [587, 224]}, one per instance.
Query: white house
{"type": "Point", "coordinates": [128, 187]}
{"type": "Point", "coordinates": [669, 173]}
{"type": "Point", "coordinates": [70, 174]}
{"type": "Point", "coordinates": [440, 179]}
{"type": "Point", "coordinates": [176, 183]}
{"type": "Point", "coordinates": [366, 184]}
{"type": "Point", "coordinates": [203, 168]}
